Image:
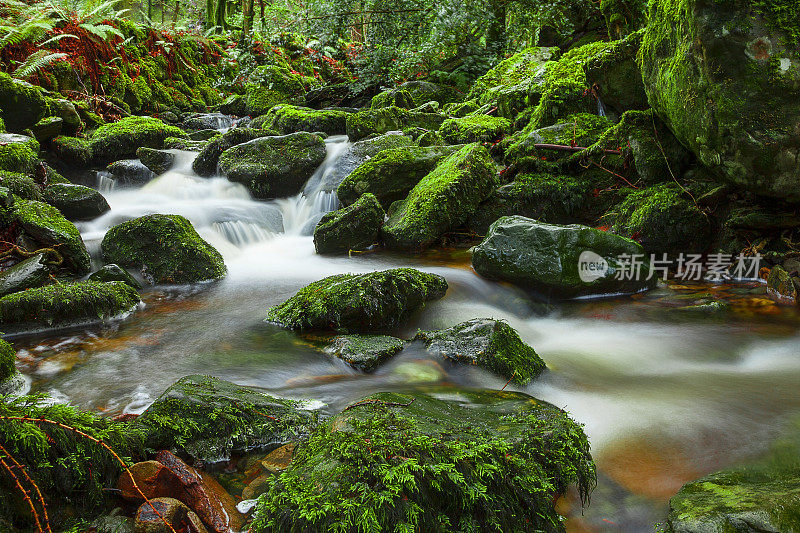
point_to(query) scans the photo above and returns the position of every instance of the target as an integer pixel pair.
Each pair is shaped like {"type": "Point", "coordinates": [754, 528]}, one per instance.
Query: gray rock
{"type": "Point", "coordinates": [130, 172]}
{"type": "Point", "coordinates": [30, 273]}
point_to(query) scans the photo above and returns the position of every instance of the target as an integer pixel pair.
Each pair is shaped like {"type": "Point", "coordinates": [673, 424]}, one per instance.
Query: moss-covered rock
{"type": "Point", "coordinates": [66, 304]}
{"type": "Point", "coordinates": [130, 172]}
{"type": "Point", "coordinates": [354, 227]}
{"type": "Point", "coordinates": [581, 129]}
{"type": "Point", "coordinates": [663, 219]}
{"type": "Point", "coordinates": [393, 97]}
{"type": "Point", "coordinates": [166, 248]}
{"type": "Point", "coordinates": [76, 202]}
{"type": "Point", "coordinates": [371, 121]}
{"type": "Point", "coordinates": [72, 151]}
{"type": "Point", "coordinates": [28, 274]}
{"type": "Point", "coordinates": [615, 76]}
{"type": "Point", "coordinates": [725, 77]}
{"type": "Point", "coordinates": [47, 128]}
{"type": "Point", "coordinates": [158, 161]}
{"type": "Point", "coordinates": [18, 153]}
{"type": "Point", "coordinates": [120, 140]}
{"type": "Point", "coordinates": [359, 302]}
{"type": "Point", "coordinates": [426, 91]}
{"type": "Point", "coordinates": [490, 344]}
{"type": "Point", "coordinates": [271, 85]}
{"type": "Point", "coordinates": [8, 367]}
{"type": "Point", "coordinates": [274, 167]}
{"type": "Point", "coordinates": [562, 261]}
{"type": "Point", "coordinates": [21, 104]}
{"type": "Point", "coordinates": [365, 352]}
{"type": "Point", "coordinates": [209, 419]}
{"type": "Point", "coordinates": [114, 273]}
{"type": "Point", "coordinates": [459, 461]}
{"type": "Point", "coordinates": [289, 119]}
{"type": "Point", "coordinates": [442, 200]}
{"type": "Point", "coordinates": [71, 120]}
{"type": "Point", "coordinates": [524, 65]}
{"type": "Point", "coordinates": [43, 226]}
{"type": "Point", "coordinates": [391, 174]}
{"type": "Point", "coordinates": [780, 285]}
{"type": "Point", "coordinates": [474, 128]}
{"type": "Point", "coordinates": [21, 185]}
{"type": "Point", "coordinates": [206, 162]}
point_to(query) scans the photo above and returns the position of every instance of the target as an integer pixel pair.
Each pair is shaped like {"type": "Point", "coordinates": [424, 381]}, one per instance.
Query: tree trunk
{"type": "Point", "coordinates": [247, 21]}
{"type": "Point", "coordinates": [496, 36]}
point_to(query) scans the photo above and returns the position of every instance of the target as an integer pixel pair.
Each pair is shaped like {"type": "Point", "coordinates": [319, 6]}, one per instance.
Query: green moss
{"type": "Point", "coordinates": [371, 121]}
{"type": "Point", "coordinates": [781, 16]}
{"type": "Point", "coordinates": [66, 304]}
{"type": "Point", "coordinates": [352, 228]}
{"type": "Point", "coordinates": [359, 302]}
{"type": "Point", "coordinates": [76, 202]}
{"type": "Point", "coordinates": [442, 200]}
{"type": "Point", "coordinates": [17, 157]}
{"type": "Point", "coordinates": [365, 352]}
{"type": "Point", "coordinates": [121, 139]}
{"type": "Point", "coordinates": [8, 358]}
{"type": "Point", "coordinates": [482, 461]}
{"type": "Point", "coordinates": [580, 129]}
{"type": "Point", "coordinates": [271, 85]}
{"type": "Point", "coordinates": [394, 97]}
{"type": "Point", "coordinates": [166, 248]}
{"type": "Point", "coordinates": [21, 104]}
{"type": "Point", "coordinates": [521, 66]}
{"type": "Point", "coordinates": [289, 119]}
{"type": "Point", "coordinates": [615, 76]}
{"type": "Point", "coordinates": [474, 128]}
{"type": "Point", "coordinates": [21, 185]}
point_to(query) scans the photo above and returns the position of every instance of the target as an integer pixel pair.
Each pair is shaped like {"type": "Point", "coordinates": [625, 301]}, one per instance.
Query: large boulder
{"type": "Point", "coordinates": [66, 304]}
{"type": "Point", "coordinates": [354, 227]}
{"type": "Point", "coordinates": [359, 302]}
{"type": "Point", "coordinates": [527, 64]}
{"type": "Point", "coordinates": [166, 248]}
{"type": "Point", "coordinates": [210, 419]}
{"type": "Point", "coordinates": [206, 162]}
{"type": "Point", "coordinates": [725, 77]}
{"type": "Point", "coordinates": [391, 174]}
{"type": "Point", "coordinates": [274, 167]}
{"type": "Point", "coordinates": [158, 161]}
{"type": "Point", "coordinates": [130, 172]}
{"type": "Point", "coordinates": [120, 140]}
{"type": "Point", "coordinates": [290, 118]}
{"type": "Point", "coordinates": [76, 202]}
{"type": "Point", "coordinates": [615, 76]}
{"type": "Point", "coordinates": [28, 274]}
{"type": "Point", "coordinates": [271, 85]}
{"type": "Point", "coordinates": [18, 153]}
{"type": "Point", "coordinates": [444, 199]}
{"type": "Point", "coordinates": [72, 151]}
{"type": "Point", "coordinates": [476, 460]}
{"type": "Point", "coordinates": [21, 104]}
{"type": "Point", "coordinates": [474, 128]}
{"type": "Point", "coordinates": [562, 261]}
{"type": "Point", "coordinates": [383, 120]}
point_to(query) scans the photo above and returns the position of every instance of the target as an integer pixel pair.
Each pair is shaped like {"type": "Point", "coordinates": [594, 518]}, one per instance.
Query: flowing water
{"type": "Point", "coordinates": [663, 402]}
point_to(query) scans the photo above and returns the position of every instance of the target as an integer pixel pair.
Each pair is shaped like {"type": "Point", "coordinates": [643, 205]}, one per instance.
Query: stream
{"type": "Point", "coordinates": [663, 401]}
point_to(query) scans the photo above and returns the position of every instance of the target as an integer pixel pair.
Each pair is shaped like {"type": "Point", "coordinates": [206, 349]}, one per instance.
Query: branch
{"type": "Point", "coordinates": [568, 148]}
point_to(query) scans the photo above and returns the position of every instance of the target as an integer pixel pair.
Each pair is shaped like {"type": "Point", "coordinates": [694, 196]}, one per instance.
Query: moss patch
{"type": "Point", "coordinates": [120, 140]}
{"type": "Point", "coordinates": [8, 358]}
{"type": "Point", "coordinates": [474, 128]}
{"type": "Point", "coordinates": [371, 121]}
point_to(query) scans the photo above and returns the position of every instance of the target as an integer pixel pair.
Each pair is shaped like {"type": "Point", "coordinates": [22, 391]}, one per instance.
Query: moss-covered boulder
{"type": "Point", "coordinates": [76, 202]}
{"type": "Point", "coordinates": [47, 128]}
{"type": "Point", "coordinates": [114, 272]}
{"type": "Point", "coordinates": [270, 85]}
{"type": "Point", "coordinates": [166, 248]}
{"type": "Point", "coordinates": [21, 104]}
{"type": "Point", "coordinates": [461, 461]}
{"type": "Point", "coordinates": [725, 77]}
{"type": "Point", "coordinates": [391, 174]}
{"type": "Point", "coordinates": [615, 76]}
{"type": "Point", "coordinates": [371, 121]}
{"type": "Point", "coordinates": [488, 343]}
{"type": "Point", "coordinates": [359, 302]}
{"type": "Point", "coordinates": [72, 151]}
{"type": "Point", "coordinates": [207, 161]}
{"type": "Point", "coordinates": [664, 219]}
{"type": "Point", "coordinates": [10, 378]}
{"type": "Point", "coordinates": [209, 419]}
{"type": "Point", "coordinates": [158, 161]}
{"type": "Point", "coordinates": [274, 167]}
{"type": "Point", "coordinates": [442, 200]}
{"type": "Point", "coordinates": [121, 139]}
{"type": "Point", "coordinates": [21, 185]}
{"type": "Point", "coordinates": [393, 97]}
{"type": "Point", "coordinates": [562, 261]}
{"type": "Point", "coordinates": [18, 153]}
{"type": "Point", "coordinates": [580, 129]}
{"type": "Point", "coordinates": [354, 227]}
{"type": "Point", "coordinates": [525, 65]}
{"type": "Point", "coordinates": [41, 225]}
{"type": "Point", "coordinates": [365, 352]}
{"type": "Point", "coordinates": [426, 91]}
{"type": "Point", "coordinates": [130, 172]}
{"type": "Point", "coordinates": [28, 274]}
{"type": "Point", "coordinates": [289, 119]}
{"type": "Point", "coordinates": [474, 128]}
{"type": "Point", "coordinates": [66, 304]}
{"type": "Point", "coordinates": [65, 110]}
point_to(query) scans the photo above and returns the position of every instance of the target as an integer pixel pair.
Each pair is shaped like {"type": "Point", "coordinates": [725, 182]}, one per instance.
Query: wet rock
{"type": "Point", "coordinates": [279, 460]}
{"type": "Point", "coordinates": [130, 172]}
{"type": "Point", "coordinates": [9, 376]}
{"type": "Point", "coordinates": [203, 135]}
{"type": "Point", "coordinates": [233, 105]}
{"type": "Point", "coordinates": [66, 304]}
{"type": "Point", "coordinates": [490, 344]}
{"type": "Point", "coordinates": [158, 161]}
{"type": "Point", "coordinates": [209, 419]}
{"type": "Point", "coordinates": [547, 258]}
{"type": "Point", "coordinates": [359, 302]}
{"type": "Point", "coordinates": [442, 200]}
{"type": "Point", "coordinates": [71, 119]}
{"type": "Point", "coordinates": [521, 451]}
{"type": "Point", "coordinates": [28, 274]}
{"type": "Point", "coordinates": [290, 119]}
{"type": "Point", "coordinates": [274, 167]}
{"type": "Point", "coordinates": [113, 522]}
{"type": "Point", "coordinates": [205, 164]}
{"type": "Point", "coordinates": [72, 151]}
{"type": "Point", "coordinates": [615, 75]}
{"type": "Point", "coordinates": [76, 202]}
{"type": "Point", "coordinates": [474, 128]}
{"type": "Point", "coordinates": [354, 227]}
{"type": "Point", "coordinates": [581, 129]}
{"type": "Point", "coordinates": [18, 153]}
{"type": "Point", "coordinates": [365, 352]}
{"type": "Point", "coordinates": [151, 517]}
{"type": "Point", "coordinates": [780, 285]}
{"type": "Point", "coordinates": [47, 128]}
{"type": "Point", "coordinates": [115, 273]}
{"type": "Point", "coordinates": [121, 139]}
{"type": "Point", "coordinates": [258, 486]}
{"type": "Point", "coordinates": [21, 104]}
{"type": "Point", "coordinates": [207, 121]}
{"type": "Point", "coordinates": [383, 120]}
{"type": "Point", "coordinates": [166, 248]}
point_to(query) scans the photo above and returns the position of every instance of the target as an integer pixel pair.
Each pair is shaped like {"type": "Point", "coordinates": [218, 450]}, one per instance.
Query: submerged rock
{"type": "Point", "coordinates": [370, 121]}
{"type": "Point", "coordinates": [290, 119]}
{"type": "Point", "coordinates": [209, 419]}
{"type": "Point", "coordinates": [365, 352]}
{"type": "Point", "coordinates": [354, 227]}
{"type": "Point", "coordinates": [490, 344]}
{"type": "Point", "coordinates": [76, 202]}
{"type": "Point", "coordinates": [565, 261]}
{"type": "Point", "coordinates": [158, 161]}
{"type": "Point", "coordinates": [165, 515]}
{"type": "Point", "coordinates": [28, 274]}
{"type": "Point", "coordinates": [115, 273]}
{"type": "Point", "coordinates": [274, 167]}
{"type": "Point", "coordinates": [359, 302]}
{"type": "Point", "coordinates": [166, 248]}
{"type": "Point", "coordinates": [121, 139]}
{"type": "Point", "coordinates": [474, 459]}
{"type": "Point", "coordinates": [66, 304]}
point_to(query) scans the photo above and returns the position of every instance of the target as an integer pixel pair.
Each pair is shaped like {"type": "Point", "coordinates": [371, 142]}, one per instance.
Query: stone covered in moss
{"type": "Point", "coordinates": [371, 121]}
{"type": "Point", "coordinates": [206, 162]}
{"type": "Point", "coordinates": [359, 302]}
{"type": "Point", "coordinates": [47, 128]}
{"type": "Point", "coordinates": [28, 274]}
{"type": "Point", "coordinates": [425, 91]}
{"type": "Point", "coordinates": [18, 153]}
{"type": "Point", "coordinates": [725, 78]}
{"type": "Point", "coordinates": [21, 104]}
{"type": "Point", "coordinates": [274, 167]}
{"type": "Point", "coordinates": [289, 119]}
{"type": "Point", "coordinates": [524, 65]}
{"type": "Point", "coordinates": [271, 85]}
{"type": "Point", "coordinates": [391, 174]}
{"type": "Point", "coordinates": [474, 128]}
{"type": "Point", "coordinates": [120, 140]}
{"type": "Point", "coordinates": [444, 460]}
{"type": "Point", "coordinates": [210, 419]}
{"type": "Point", "coordinates": [365, 352]}
{"type": "Point", "coordinates": [8, 357]}
{"type": "Point", "coordinates": [615, 76]}
{"type": "Point", "coordinates": [580, 129]}
{"type": "Point", "coordinates": [21, 185]}
{"type": "Point", "coordinates": [354, 227]}
{"type": "Point", "coordinates": [65, 110]}
{"type": "Point", "coordinates": [663, 219]}
{"type": "Point", "coordinates": [490, 344]}
{"type": "Point", "coordinates": [158, 161]}
{"type": "Point", "coordinates": [563, 261]}
{"type": "Point", "coordinates": [130, 172]}
{"type": "Point", "coordinates": [780, 285]}
{"type": "Point", "coordinates": [442, 200]}
{"type": "Point", "coordinates": [393, 97]}
{"type": "Point", "coordinates": [72, 151]}
{"type": "Point", "coordinates": [66, 304]}
{"type": "Point", "coordinates": [166, 248]}
{"type": "Point", "coordinates": [115, 273]}
{"type": "Point", "coordinates": [76, 202]}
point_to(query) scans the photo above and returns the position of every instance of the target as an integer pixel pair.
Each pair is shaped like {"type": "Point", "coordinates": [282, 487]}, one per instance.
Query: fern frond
{"type": "Point", "coordinates": [35, 62]}
{"type": "Point", "coordinates": [102, 31]}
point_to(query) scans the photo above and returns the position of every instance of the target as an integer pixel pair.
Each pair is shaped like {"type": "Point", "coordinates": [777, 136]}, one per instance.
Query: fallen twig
{"type": "Point", "coordinates": [568, 148]}
{"type": "Point", "coordinates": [381, 402]}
